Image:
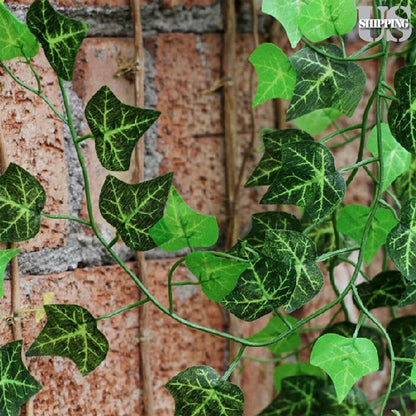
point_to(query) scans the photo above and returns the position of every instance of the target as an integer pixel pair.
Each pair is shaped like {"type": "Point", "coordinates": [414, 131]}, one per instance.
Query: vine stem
{"type": "Point", "coordinates": [234, 363]}
{"type": "Point", "coordinates": [67, 217]}
{"type": "Point", "coordinates": [123, 309]}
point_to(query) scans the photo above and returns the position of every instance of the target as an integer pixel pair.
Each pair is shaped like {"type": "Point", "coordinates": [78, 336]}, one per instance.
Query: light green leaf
{"type": "Point", "coordinates": [71, 332]}
{"type": "Point", "coordinates": [299, 254]}
{"type": "Point", "coordinates": [5, 257]}
{"type": "Point", "coordinates": [349, 360]}
{"type": "Point", "coordinates": [218, 275]}
{"type": "Point", "coordinates": [182, 227]}
{"type": "Point", "coordinates": [17, 386]}
{"type": "Point", "coordinates": [200, 391]}
{"type": "Point", "coordinates": [402, 113]}
{"type": "Point", "coordinates": [352, 220]}
{"type": "Point", "coordinates": [16, 39]}
{"type": "Point", "coordinates": [116, 127]}
{"type": "Point", "coordinates": [276, 75]}
{"type": "Point", "coordinates": [321, 19]}
{"type": "Point", "coordinates": [271, 162]}
{"type": "Point", "coordinates": [401, 241]}
{"type": "Point", "coordinates": [324, 83]}
{"type": "Point", "coordinates": [396, 158]}
{"type": "Point", "coordinates": [316, 122]}
{"type": "Point", "coordinates": [409, 295]}
{"type": "Point", "coordinates": [22, 199]}
{"type": "Point", "coordinates": [413, 372]}
{"type": "Point", "coordinates": [134, 209]}
{"type": "Point", "coordinates": [405, 185]}
{"type": "Point", "coordinates": [266, 285]}
{"type": "Point", "coordinates": [272, 330]}
{"type": "Point", "coordinates": [307, 179]}
{"type": "Point", "coordinates": [283, 371]}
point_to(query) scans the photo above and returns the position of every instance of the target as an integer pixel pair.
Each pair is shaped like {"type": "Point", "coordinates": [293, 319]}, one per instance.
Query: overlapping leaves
{"type": "Point", "coordinates": [116, 127]}
{"type": "Point", "coordinates": [201, 391]}
{"type": "Point", "coordinates": [134, 209]}
{"type": "Point", "coordinates": [405, 185]}
{"type": "Point", "coordinates": [60, 36]}
{"type": "Point", "coordinates": [299, 368]}
{"type": "Point", "coordinates": [316, 122]}
{"type": "Point", "coordinates": [5, 257]}
{"type": "Point", "coordinates": [71, 332]}
{"type": "Point", "coordinates": [409, 295]}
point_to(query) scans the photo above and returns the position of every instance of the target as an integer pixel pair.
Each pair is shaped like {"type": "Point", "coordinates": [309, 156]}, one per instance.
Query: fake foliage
{"type": "Point", "coordinates": [285, 259]}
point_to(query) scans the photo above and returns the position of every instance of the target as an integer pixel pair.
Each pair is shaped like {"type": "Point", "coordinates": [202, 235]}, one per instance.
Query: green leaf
{"type": "Point", "coordinates": [307, 179]}
{"type": "Point", "coordinates": [134, 209]}
{"type": "Point", "coordinates": [276, 75]}
{"type": "Point", "coordinates": [22, 199]}
{"type": "Point", "coordinates": [218, 275]}
{"type": "Point", "coordinates": [385, 289]}
{"type": "Point", "coordinates": [402, 113]}
{"type": "Point", "coordinates": [182, 227]}
{"type": "Point", "coordinates": [299, 254]}
{"type": "Point", "coordinates": [266, 285]}
{"type": "Point", "coordinates": [116, 127]}
{"type": "Point", "coordinates": [266, 221]}
{"type": "Point", "coordinates": [316, 122]}
{"type": "Point", "coordinates": [283, 371]}
{"type": "Point", "coordinates": [321, 19]}
{"type": "Point", "coordinates": [71, 332]}
{"type": "Point", "coordinates": [401, 241]}
{"type": "Point", "coordinates": [352, 220]}
{"type": "Point", "coordinates": [200, 391]}
{"type": "Point", "coordinates": [349, 360]}
{"type": "Point", "coordinates": [324, 83]}
{"type": "Point", "coordinates": [405, 185]}
{"type": "Point", "coordinates": [16, 40]}
{"type": "Point", "coordinates": [272, 330]}
{"type": "Point", "coordinates": [396, 158]}
{"type": "Point", "coordinates": [409, 295]}
{"type": "Point", "coordinates": [271, 162]}
{"type": "Point", "coordinates": [60, 36]}
{"type": "Point", "coordinates": [5, 257]}
{"type": "Point", "coordinates": [17, 385]}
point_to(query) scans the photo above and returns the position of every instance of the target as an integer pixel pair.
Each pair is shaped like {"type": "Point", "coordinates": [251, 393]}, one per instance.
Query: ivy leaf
{"type": "Point", "coordinates": [273, 329]}
{"type": "Point", "coordinates": [271, 162]}
{"type": "Point", "coordinates": [182, 227]}
{"type": "Point", "coordinates": [17, 40]}
{"type": "Point", "coordinates": [405, 185]}
{"type": "Point", "coordinates": [134, 209]}
{"type": "Point", "coordinates": [396, 158]}
{"type": "Point", "coordinates": [325, 83]}
{"type": "Point", "coordinates": [300, 257]}
{"type": "Point", "coordinates": [402, 113]}
{"type": "Point", "coordinates": [409, 295]}
{"type": "Point", "coordinates": [266, 221]}
{"type": "Point", "coordinates": [321, 19]}
{"type": "Point", "coordinates": [71, 332]}
{"type": "Point", "coordinates": [22, 199]}
{"type": "Point", "coordinates": [17, 385]}
{"type": "Point", "coordinates": [116, 127]}
{"type": "Point", "coordinates": [316, 122]}
{"type": "Point", "coordinates": [286, 370]}
{"type": "Point", "coordinates": [5, 257]}
{"type": "Point", "coordinates": [350, 359]}
{"type": "Point", "coordinates": [201, 391]}
{"type": "Point", "coordinates": [401, 241]}
{"type": "Point", "coordinates": [352, 220]}
{"type": "Point", "coordinates": [307, 179]}
{"type": "Point", "coordinates": [276, 75]}
{"type": "Point", "coordinates": [60, 36]}
{"type": "Point", "coordinates": [218, 276]}
{"type": "Point", "coordinates": [266, 285]}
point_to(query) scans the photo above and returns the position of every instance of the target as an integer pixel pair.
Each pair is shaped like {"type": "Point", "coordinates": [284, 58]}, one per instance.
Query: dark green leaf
{"type": "Point", "coordinates": [60, 36]}
{"type": "Point", "coordinates": [200, 391]}
{"type": "Point", "coordinates": [116, 127]}
{"type": "Point", "coordinates": [283, 371]}
{"type": "Point", "coordinates": [271, 162]}
{"type": "Point", "coordinates": [17, 386]}
{"type": "Point", "coordinates": [307, 179]}
{"type": "Point", "coordinates": [316, 122]}
{"type": "Point", "coordinates": [16, 39]}
{"type": "Point", "coordinates": [22, 199]}
{"type": "Point", "coordinates": [218, 275]}
{"type": "Point", "coordinates": [134, 209]}
{"type": "Point", "coordinates": [405, 185]}
{"type": "Point", "coordinates": [182, 227]}
{"type": "Point", "coordinates": [409, 295]}
{"type": "Point", "coordinates": [324, 83]}
{"type": "Point", "coordinates": [299, 254]}
{"type": "Point", "coordinates": [401, 241]}
{"type": "Point", "coordinates": [71, 332]}
{"type": "Point", "coordinates": [5, 257]}
{"type": "Point", "coordinates": [352, 220]}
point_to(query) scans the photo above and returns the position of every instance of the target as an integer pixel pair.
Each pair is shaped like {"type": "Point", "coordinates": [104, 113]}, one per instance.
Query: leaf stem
{"type": "Point", "coordinates": [67, 217]}
{"type": "Point", "coordinates": [123, 309]}
{"type": "Point", "coordinates": [84, 137]}
{"type": "Point", "coordinates": [170, 276]}
{"type": "Point", "coordinates": [388, 97]}
{"type": "Point", "coordinates": [359, 164]}
{"type": "Point", "coordinates": [390, 208]}
{"type": "Point", "coordinates": [341, 131]}
{"type": "Point", "coordinates": [335, 253]}
{"type": "Point", "coordinates": [234, 363]}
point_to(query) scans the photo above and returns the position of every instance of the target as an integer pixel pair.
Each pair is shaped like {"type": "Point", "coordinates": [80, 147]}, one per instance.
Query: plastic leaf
{"type": "Point", "coordinates": [409, 295]}
{"type": "Point", "coordinates": [283, 371]}
{"type": "Point", "coordinates": [47, 300]}
{"type": "Point", "coordinates": [316, 122]}
{"type": "Point", "coordinates": [5, 257]}
{"type": "Point", "coordinates": [405, 185]}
